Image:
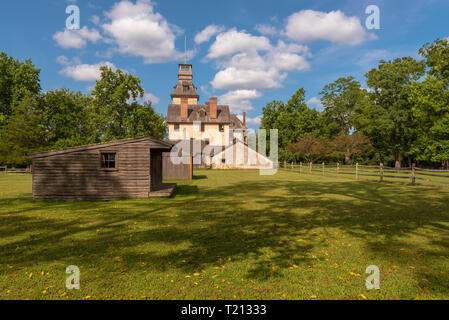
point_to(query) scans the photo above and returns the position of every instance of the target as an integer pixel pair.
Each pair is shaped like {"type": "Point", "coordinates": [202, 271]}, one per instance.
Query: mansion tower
{"type": "Point", "coordinates": [211, 123]}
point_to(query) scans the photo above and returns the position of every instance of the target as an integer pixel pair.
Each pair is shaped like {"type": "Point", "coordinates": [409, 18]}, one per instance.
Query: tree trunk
{"type": "Point", "coordinates": [397, 158]}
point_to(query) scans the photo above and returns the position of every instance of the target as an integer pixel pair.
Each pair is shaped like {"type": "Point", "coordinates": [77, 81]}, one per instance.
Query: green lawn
{"type": "Point", "coordinates": [230, 235]}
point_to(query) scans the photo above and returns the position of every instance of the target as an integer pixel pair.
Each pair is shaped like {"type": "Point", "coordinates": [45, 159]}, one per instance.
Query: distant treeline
{"type": "Point", "coordinates": [32, 120]}
{"type": "Point", "coordinates": [402, 117]}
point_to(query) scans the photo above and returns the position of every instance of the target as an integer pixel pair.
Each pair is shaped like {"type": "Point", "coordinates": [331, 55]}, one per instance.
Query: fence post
{"type": "Point", "coordinates": [292, 164]}
{"type": "Point", "coordinates": [323, 168]}
{"type": "Point", "coordinates": [338, 168]}
{"type": "Point", "coordinates": [413, 174]}
{"type": "Point", "coordinates": [300, 167]}
{"type": "Point", "coordinates": [357, 171]}
{"type": "Point", "coordinates": [285, 164]}
{"type": "Point", "coordinates": [191, 168]}
{"type": "Point", "coordinates": [310, 167]}
{"type": "Point", "coordinates": [6, 169]}
{"type": "Point", "coordinates": [381, 172]}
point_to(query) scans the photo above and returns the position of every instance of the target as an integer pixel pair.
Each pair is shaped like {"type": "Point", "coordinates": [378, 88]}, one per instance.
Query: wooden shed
{"type": "Point", "coordinates": [129, 168]}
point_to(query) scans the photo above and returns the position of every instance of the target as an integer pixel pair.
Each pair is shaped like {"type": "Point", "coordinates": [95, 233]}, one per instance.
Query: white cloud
{"type": "Point", "coordinates": [207, 33]}
{"type": "Point", "coordinates": [234, 78]}
{"type": "Point", "coordinates": [76, 38]}
{"type": "Point", "coordinates": [239, 100]}
{"type": "Point", "coordinates": [137, 30]}
{"type": "Point", "coordinates": [151, 97]}
{"type": "Point", "coordinates": [82, 72]}
{"type": "Point", "coordinates": [289, 57]}
{"type": "Point", "coordinates": [266, 29]}
{"type": "Point", "coordinates": [251, 70]}
{"type": "Point", "coordinates": [309, 25]}
{"type": "Point", "coordinates": [234, 41]}
{"type": "Point", "coordinates": [314, 101]}
{"type": "Point", "coordinates": [249, 63]}
{"type": "Point", "coordinates": [95, 19]}
{"type": "Point", "coordinates": [63, 60]}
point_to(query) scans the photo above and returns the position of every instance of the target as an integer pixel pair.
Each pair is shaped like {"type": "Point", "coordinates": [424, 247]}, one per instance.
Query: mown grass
{"type": "Point", "coordinates": [230, 235]}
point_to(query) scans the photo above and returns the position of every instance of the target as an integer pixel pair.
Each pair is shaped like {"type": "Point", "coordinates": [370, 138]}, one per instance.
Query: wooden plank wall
{"type": "Point", "coordinates": [175, 171]}
{"type": "Point", "coordinates": [78, 176]}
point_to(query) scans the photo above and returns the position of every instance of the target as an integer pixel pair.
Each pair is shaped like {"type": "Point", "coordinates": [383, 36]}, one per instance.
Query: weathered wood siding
{"type": "Point", "coordinates": [79, 176]}
{"type": "Point", "coordinates": [176, 171]}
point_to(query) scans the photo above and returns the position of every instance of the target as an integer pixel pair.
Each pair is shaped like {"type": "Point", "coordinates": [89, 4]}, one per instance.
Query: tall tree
{"type": "Point", "coordinates": [23, 134]}
{"type": "Point", "coordinates": [17, 79]}
{"type": "Point", "coordinates": [339, 100]}
{"type": "Point", "coordinates": [390, 107]}
{"type": "Point", "coordinates": [115, 111]}
{"type": "Point", "coordinates": [430, 100]}
{"type": "Point", "coordinates": [293, 120]}
{"type": "Point", "coordinates": [65, 118]}
{"type": "Point", "coordinates": [111, 104]}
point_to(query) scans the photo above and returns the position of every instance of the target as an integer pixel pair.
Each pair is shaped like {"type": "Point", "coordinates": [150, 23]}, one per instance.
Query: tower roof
{"type": "Point", "coordinates": [185, 87]}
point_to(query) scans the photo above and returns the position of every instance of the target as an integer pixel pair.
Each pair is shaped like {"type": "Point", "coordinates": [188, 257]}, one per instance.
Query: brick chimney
{"type": "Point", "coordinates": [213, 108]}
{"type": "Point", "coordinates": [184, 108]}
{"type": "Point", "coordinates": [244, 119]}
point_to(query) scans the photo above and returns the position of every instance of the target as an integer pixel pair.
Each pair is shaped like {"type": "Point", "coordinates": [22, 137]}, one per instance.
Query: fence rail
{"type": "Point", "coordinates": [7, 170]}
{"type": "Point", "coordinates": [379, 173]}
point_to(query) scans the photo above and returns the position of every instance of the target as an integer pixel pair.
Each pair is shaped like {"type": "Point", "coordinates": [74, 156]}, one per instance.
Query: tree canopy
{"type": "Point", "coordinates": [32, 121]}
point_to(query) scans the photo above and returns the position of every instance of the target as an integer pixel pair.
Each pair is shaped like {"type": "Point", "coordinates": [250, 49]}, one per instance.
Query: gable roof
{"type": "Point", "coordinates": [157, 144]}
{"type": "Point", "coordinates": [236, 123]}
{"type": "Point", "coordinates": [240, 142]}
{"type": "Point", "coordinates": [174, 114]}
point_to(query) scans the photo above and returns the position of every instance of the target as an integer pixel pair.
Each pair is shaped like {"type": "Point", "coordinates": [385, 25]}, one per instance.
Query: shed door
{"type": "Point", "coordinates": [156, 168]}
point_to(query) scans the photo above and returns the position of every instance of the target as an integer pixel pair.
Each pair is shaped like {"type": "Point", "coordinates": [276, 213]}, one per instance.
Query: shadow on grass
{"type": "Point", "coordinates": [199, 177]}
{"type": "Point", "coordinates": [204, 226]}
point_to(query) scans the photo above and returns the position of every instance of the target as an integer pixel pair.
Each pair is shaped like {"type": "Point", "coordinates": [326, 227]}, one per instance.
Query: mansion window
{"type": "Point", "coordinates": [202, 127]}
{"type": "Point", "coordinates": [108, 160]}
{"type": "Point", "coordinates": [176, 126]}
{"type": "Point", "coordinates": [220, 127]}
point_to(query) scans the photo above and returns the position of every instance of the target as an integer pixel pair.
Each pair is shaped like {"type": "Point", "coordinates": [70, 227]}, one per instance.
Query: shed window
{"type": "Point", "coordinates": [108, 160]}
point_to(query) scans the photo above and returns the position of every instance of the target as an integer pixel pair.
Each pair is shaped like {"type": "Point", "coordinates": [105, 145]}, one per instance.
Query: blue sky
{"type": "Point", "coordinates": [247, 53]}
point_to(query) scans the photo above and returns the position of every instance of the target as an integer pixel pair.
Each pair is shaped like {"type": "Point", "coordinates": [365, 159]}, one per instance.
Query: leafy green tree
{"type": "Point", "coordinates": [115, 112]}
{"type": "Point", "coordinates": [65, 118]}
{"type": "Point", "coordinates": [437, 59]}
{"type": "Point", "coordinates": [17, 79]}
{"type": "Point", "coordinates": [430, 100]}
{"type": "Point", "coordinates": [146, 122]}
{"type": "Point", "coordinates": [111, 106]}
{"type": "Point", "coordinates": [23, 134]}
{"type": "Point", "coordinates": [339, 100]}
{"type": "Point", "coordinates": [385, 118]}
{"type": "Point", "coordinates": [293, 120]}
